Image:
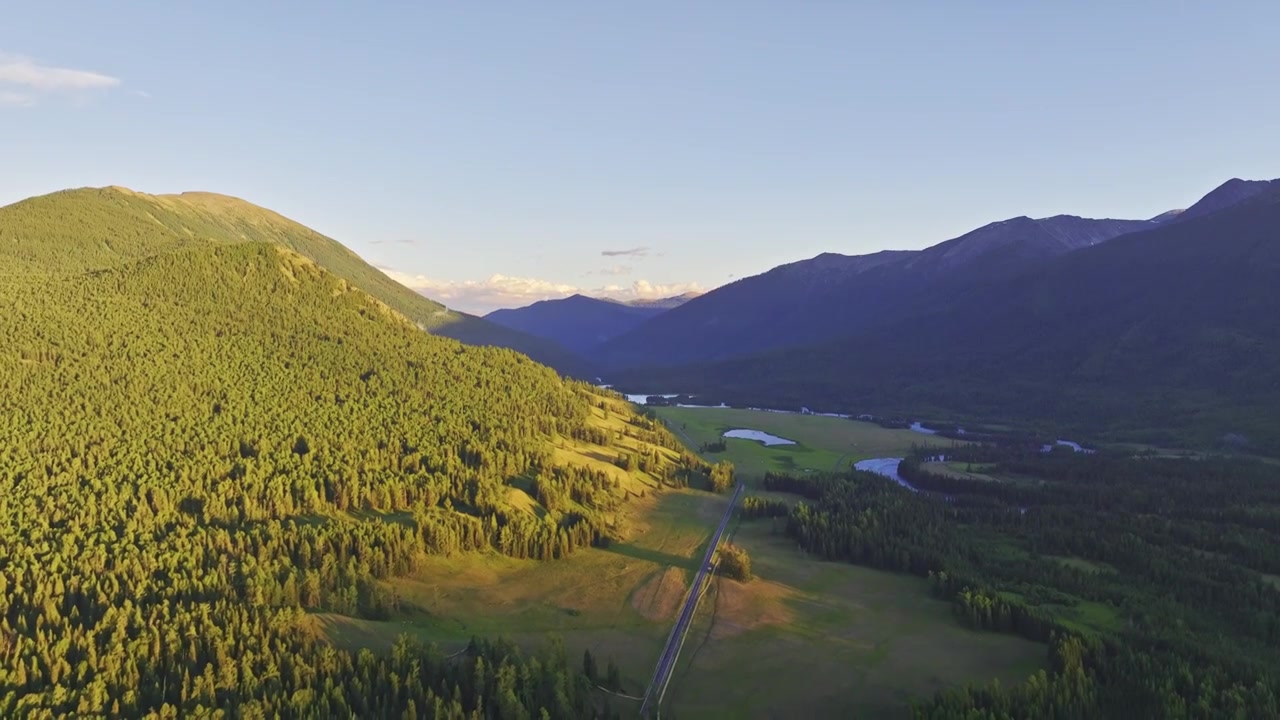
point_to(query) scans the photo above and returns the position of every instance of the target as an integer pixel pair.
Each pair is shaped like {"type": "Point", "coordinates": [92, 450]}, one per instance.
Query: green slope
{"type": "Point", "coordinates": [200, 446]}
{"type": "Point", "coordinates": [93, 229]}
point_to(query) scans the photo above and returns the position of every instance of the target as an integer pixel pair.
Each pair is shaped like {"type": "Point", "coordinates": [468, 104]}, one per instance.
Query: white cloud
{"type": "Point", "coordinates": [504, 291]}
{"type": "Point", "coordinates": [16, 99]}
{"type": "Point", "coordinates": [24, 81]}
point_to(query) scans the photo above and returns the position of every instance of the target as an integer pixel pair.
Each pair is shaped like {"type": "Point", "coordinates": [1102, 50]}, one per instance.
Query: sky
{"type": "Point", "coordinates": [490, 155]}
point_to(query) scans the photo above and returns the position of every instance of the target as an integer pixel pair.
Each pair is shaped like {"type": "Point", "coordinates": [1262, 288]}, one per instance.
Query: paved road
{"type": "Point", "coordinates": [667, 662]}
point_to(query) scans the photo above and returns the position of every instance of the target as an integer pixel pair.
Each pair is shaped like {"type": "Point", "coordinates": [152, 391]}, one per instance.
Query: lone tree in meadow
{"type": "Point", "coordinates": [735, 563]}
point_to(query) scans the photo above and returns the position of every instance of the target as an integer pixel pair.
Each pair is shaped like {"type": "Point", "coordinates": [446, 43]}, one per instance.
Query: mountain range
{"type": "Point", "coordinates": [1076, 321]}
{"type": "Point", "coordinates": [1117, 325]}
{"type": "Point", "coordinates": [832, 296]}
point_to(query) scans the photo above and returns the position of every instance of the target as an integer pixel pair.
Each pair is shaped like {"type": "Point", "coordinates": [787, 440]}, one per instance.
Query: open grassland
{"type": "Point", "coordinates": [822, 443]}
{"type": "Point", "coordinates": [618, 602]}
{"type": "Point", "coordinates": [805, 638]}
{"type": "Point", "coordinates": [818, 639]}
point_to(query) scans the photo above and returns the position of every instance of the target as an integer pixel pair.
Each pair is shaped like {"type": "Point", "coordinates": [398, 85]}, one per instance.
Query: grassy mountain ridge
{"type": "Point", "coordinates": [99, 228]}
{"type": "Point", "coordinates": [1168, 328]}
{"type": "Point", "coordinates": [201, 446]}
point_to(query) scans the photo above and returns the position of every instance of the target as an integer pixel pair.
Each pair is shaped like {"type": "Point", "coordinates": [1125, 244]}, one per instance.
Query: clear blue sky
{"type": "Point", "coordinates": [453, 142]}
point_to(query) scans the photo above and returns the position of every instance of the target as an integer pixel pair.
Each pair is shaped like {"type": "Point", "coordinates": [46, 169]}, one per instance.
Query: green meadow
{"type": "Point", "coordinates": [816, 638]}
{"type": "Point", "coordinates": [822, 443]}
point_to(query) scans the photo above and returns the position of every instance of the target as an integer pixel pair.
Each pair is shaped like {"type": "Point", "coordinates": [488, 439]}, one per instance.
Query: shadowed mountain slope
{"type": "Point", "coordinates": [1173, 327]}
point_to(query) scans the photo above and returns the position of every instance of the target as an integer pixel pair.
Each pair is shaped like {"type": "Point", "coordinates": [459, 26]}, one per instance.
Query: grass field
{"type": "Point", "coordinates": [804, 639]}
{"type": "Point", "coordinates": [818, 639]}
{"type": "Point", "coordinates": [823, 443]}
{"type": "Point", "coordinates": [618, 602]}
{"type": "Point", "coordinates": [815, 638]}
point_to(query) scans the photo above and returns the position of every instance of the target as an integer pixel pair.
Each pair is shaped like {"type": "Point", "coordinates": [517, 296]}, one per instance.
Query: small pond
{"type": "Point", "coordinates": [758, 436]}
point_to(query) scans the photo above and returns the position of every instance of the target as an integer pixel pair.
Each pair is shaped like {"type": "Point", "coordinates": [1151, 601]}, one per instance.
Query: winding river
{"type": "Point", "coordinates": [885, 467]}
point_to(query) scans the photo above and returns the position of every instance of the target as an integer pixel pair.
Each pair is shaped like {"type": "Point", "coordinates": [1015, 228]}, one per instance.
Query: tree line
{"type": "Point", "coordinates": [1150, 579]}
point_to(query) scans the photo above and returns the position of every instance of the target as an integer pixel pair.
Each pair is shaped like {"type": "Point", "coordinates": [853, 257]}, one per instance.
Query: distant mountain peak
{"type": "Point", "coordinates": [1029, 237]}
{"type": "Point", "coordinates": [581, 322]}
{"type": "Point", "coordinates": [1228, 194]}
{"type": "Point", "coordinates": [1168, 215]}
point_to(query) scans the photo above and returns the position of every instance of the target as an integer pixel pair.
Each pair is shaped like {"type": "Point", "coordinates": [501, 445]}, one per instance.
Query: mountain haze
{"type": "Point", "coordinates": [665, 303]}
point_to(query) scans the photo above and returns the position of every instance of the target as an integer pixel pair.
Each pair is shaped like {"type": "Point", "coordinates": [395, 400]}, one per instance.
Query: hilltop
{"type": "Point", "coordinates": [99, 228]}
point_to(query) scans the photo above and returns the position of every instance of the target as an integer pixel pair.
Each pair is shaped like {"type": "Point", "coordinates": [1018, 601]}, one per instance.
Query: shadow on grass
{"type": "Point", "coordinates": [653, 556]}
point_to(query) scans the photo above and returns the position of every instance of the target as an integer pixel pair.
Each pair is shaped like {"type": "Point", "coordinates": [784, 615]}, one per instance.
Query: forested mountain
{"type": "Point", "coordinates": [207, 433]}
{"type": "Point", "coordinates": [579, 323]}
{"type": "Point", "coordinates": [94, 228]}
{"type": "Point", "coordinates": [1172, 328]}
{"type": "Point", "coordinates": [833, 296]}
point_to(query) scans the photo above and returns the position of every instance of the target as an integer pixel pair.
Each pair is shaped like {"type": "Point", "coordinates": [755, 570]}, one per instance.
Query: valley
{"type": "Point", "coordinates": [618, 603]}
{"type": "Point", "coordinates": [602, 361]}
{"type": "Point", "coordinates": [283, 493]}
